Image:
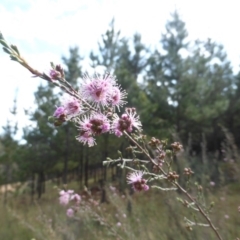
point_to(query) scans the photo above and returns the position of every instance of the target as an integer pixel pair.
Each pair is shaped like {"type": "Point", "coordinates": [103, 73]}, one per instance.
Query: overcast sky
{"type": "Point", "coordinates": [44, 30]}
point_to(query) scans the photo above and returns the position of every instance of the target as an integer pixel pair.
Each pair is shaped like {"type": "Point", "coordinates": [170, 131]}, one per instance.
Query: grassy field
{"type": "Point", "coordinates": [150, 215]}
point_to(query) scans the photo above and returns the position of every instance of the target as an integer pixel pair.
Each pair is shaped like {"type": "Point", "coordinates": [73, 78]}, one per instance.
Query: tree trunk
{"type": "Point", "coordinates": [32, 187]}
{"type": "Point", "coordinates": [86, 169]}
{"type": "Point", "coordinates": [66, 156]}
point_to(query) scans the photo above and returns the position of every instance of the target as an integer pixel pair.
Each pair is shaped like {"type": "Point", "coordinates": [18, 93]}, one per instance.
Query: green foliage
{"type": "Point", "coordinates": [8, 150]}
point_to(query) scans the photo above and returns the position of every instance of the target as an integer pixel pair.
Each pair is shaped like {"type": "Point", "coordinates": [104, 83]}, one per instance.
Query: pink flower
{"type": "Point", "coordinates": [226, 216]}
{"type": "Point", "coordinates": [98, 89]}
{"type": "Point", "coordinates": [59, 112]}
{"type": "Point", "coordinates": [90, 126]}
{"type": "Point", "coordinates": [119, 224]}
{"type": "Point", "coordinates": [134, 118]}
{"type": "Point", "coordinates": [86, 138]}
{"type": "Point", "coordinates": [99, 124]}
{"type": "Point", "coordinates": [70, 191]}
{"type": "Point", "coordinates": [70, 212]}
{"type": "Point", "coordinates": [72, 106]}
{"type": "Point", "coordinates": [95, 124]}
{"type": "Point", "coordinates": [76, 198]}
{"type": "Point", "coordinates": [138, 183]}
{"type": "Point", "coordinates": [117, 96]}
{"type": "Point", "coordinates": [64, 198]}
{"type": "Point", "coordinates": [127, 121]}
{"type": "Point", "coordinates": [212, 183]}
{"type": "Point", "coordinates": [55, 75]}
{"type": "Point", "coordinates": [84, 124]}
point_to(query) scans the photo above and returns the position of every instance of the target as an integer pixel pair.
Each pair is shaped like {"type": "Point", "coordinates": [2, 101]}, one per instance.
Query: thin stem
{"type": "Point", "coordinates": [177, 185]}
{"type": "Point", "coordinates": [67, 87]}
{"type": "Point", "coordinates": [199, 208]}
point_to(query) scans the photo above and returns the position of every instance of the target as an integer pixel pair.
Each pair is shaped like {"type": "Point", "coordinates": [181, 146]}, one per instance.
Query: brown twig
{"type": "Point", "coordinates": [178, 186]}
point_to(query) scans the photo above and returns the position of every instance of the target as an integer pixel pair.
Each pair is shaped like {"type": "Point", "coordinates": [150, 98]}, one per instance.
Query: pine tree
{"type": "Point", "coordinates": [165, 75]}
{"type": "Point", "coordinates": [108, 56]}
{"type": "Point", "coordinates": [41, 147]}
{"type": "Point", "coordinates": [8, 153]}
{"type": "Point", "coordinates": [108, 49]}
{"type": "Point", "coordinates": [72, 75]}
{"type": "Point", "coordinates": [211, 80]}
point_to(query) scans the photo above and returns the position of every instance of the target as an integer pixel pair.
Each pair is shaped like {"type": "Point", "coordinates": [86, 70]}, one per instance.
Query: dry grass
{"type": "Point", "coordinates": [153, 215]}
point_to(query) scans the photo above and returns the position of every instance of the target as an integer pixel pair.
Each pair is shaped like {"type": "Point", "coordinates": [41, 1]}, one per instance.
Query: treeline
{"type": "Point", "coordinates": [183, 91]}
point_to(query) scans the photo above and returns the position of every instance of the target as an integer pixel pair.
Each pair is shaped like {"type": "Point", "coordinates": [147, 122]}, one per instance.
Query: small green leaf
{"type": "Point", "coordinates": [6, 50]}
{"type": "Point", "coordinates": [3, 43]}
{"type": "Point", "coordinates": [14, 58]}
{"type": "Point", "coordinates": [57, 123]}
{"type": "Point", "coordinates": [15, 49]}
{"type": "Point", "coordinates": [52, 65]}
{"type": "Point", "coordinates": [1, 36]}
{"type": "Point", "coordinates": [51, 119]}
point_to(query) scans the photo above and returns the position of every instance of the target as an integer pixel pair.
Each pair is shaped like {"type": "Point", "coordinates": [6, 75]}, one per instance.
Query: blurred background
{"type": "Point", "coordinates": [178, 61]}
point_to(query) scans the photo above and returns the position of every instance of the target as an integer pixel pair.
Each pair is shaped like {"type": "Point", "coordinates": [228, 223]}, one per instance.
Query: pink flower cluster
{"type": "Point", "coordinates": [98, 123]}
{"type": "Point", "coordinates": [102, 91]}
{"type": "Point", "coordinates": [69, 196]}
{"type": "Point", "coordinates": [70, 107]}
{"type": "Point", "coordinates": [93, 109]}
{"type": "Point", "coordinates": [126, 122]}
{"type": "Point", "coordinates": [92, 125]}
